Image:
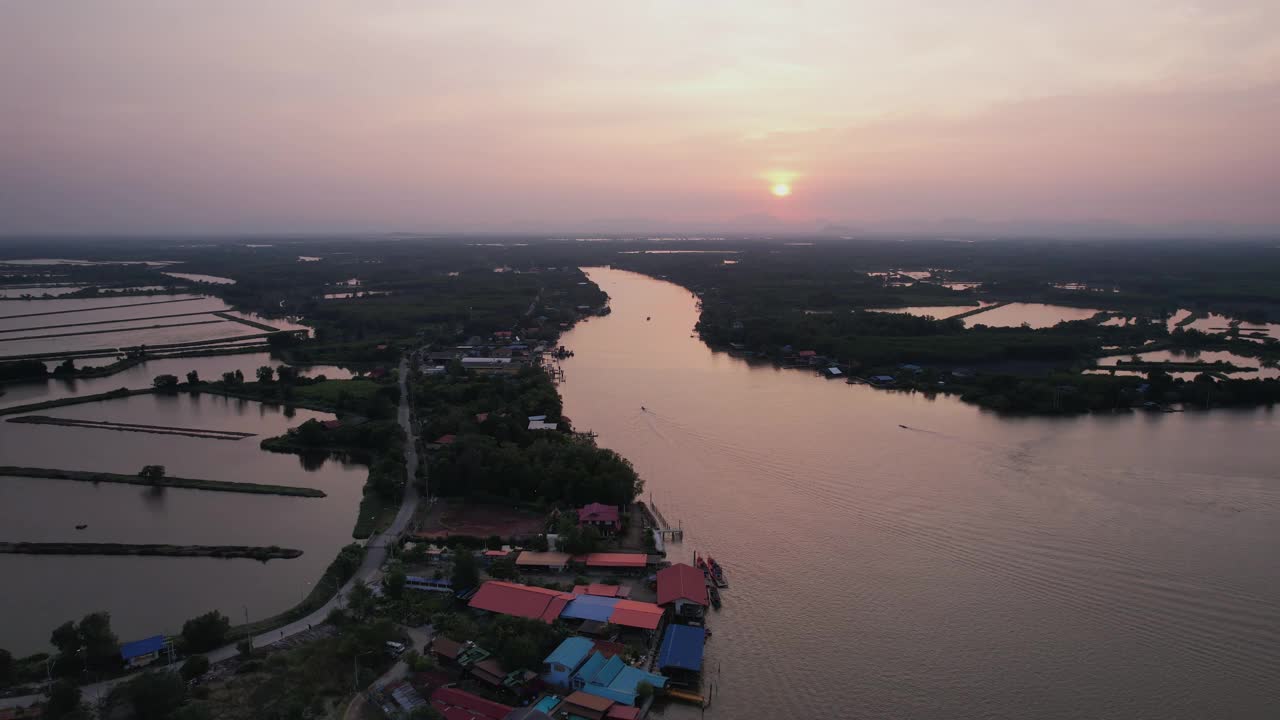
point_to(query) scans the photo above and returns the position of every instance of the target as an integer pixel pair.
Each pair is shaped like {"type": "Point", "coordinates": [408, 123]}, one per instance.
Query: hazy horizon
{"type": "Point", "coordinates": [995, 118]}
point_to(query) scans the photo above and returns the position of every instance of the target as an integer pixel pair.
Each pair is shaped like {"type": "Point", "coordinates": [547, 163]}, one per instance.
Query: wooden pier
{"type": "Point", "coordinates": [674, 534]}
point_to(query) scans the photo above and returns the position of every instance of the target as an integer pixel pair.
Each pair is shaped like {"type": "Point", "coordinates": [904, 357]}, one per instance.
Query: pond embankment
{"type": "Point", "coordinates": [215, 551]}
{"type": "Point", "coordinates": [174, 482]}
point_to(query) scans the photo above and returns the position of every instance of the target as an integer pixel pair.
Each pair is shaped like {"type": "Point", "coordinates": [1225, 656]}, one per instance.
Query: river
{"type": "Point", "coordinates": [966, 566]}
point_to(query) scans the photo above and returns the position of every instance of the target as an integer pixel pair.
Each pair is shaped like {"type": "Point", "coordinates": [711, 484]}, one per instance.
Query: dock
{"type": "Point", "coordinates": [686, 696]}
{"type": "Point", "coordinates": [660, 523]}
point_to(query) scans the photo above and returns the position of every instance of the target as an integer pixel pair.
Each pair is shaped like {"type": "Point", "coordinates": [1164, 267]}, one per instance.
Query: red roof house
{"type": "Point", "coordinates": [599, 515]}
{"type": "Point", "coordinates": [616, 560]}
{"type": "Point", "coordinates": [520, 600]}
{"type": "Point", "coordinates": [457, 704]}
{"type": "Point", "coordinates": [446, 439]}
{"type": "Point", "coordinates": [332, 424]}
{"type": "Point", "coordinates": [682, 582]}
{"type": "Point", "coordinates": [807, 353]}
{"type": "Point", "coordinates": [636, 614]}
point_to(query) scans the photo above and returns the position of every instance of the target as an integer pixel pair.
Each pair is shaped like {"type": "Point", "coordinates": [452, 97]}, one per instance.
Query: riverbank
{"type": "Point", "coordinates": [158, 550]}
{"type": "Point", "coordinates": [167, 481]}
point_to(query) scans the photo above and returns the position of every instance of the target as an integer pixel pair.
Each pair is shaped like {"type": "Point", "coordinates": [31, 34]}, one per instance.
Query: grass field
{"type": "Point", "coordinates": [329, 391]}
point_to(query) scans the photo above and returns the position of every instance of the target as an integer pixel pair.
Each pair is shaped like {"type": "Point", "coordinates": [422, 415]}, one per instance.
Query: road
{"type": "Point", "coordinates": [375, 555]}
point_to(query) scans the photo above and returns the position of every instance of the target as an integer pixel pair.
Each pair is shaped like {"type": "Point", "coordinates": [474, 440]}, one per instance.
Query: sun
{"type": "Point", "coordinates": [781, 189]}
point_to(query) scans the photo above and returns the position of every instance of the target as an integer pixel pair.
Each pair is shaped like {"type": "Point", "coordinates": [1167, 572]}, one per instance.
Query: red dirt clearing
{"type": "Point", "coordinates": [447, 519]}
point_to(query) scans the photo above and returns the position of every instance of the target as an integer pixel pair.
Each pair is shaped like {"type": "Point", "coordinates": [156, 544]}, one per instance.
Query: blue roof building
{"type": "Point", "coordinates": [682, 648]}
{"type": "Point", "coordinates": [590, 607]}
{"type": "Point", "coordinates": [141, 652]}
{"type": "Point", "coordinates": [613, 679]}
{"type": "Point", "coordinates": [559, 666]}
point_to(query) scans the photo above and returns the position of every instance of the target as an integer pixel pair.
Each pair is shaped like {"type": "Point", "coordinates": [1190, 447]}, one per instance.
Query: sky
{"type": "Point", "coordinates": [966, 116]}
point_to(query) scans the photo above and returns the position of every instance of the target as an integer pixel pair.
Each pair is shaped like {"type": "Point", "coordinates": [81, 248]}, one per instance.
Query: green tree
{"type": "Point", "coordinates": [6, 667]}
{"type": "Point", "coordinates": [152, 473]}
{"type": "Point", "coordinates": [101, 647]}
{"type": "Point", "coordinates": [287, 374]}
{"type": "Point", "coordinates": [165, 382]}
{"type": "Point", "coordinates": [266, 373]}
{"type": "Point", "coordinates": [66, 367]}
{"type": "Point", "coordinates": [393, 582]}
{"type": "Point", "coordinates": [466, 574]}
{"type": "Point", "coordinates": [361, 601]}
{"type": "Point", "coordinates": [239, 375]}
{"type": "Point", "coordinates": [64, 702]}
{"type": "Point", "coordinates": [493, 542]}
{"type": "Point", "coordinates": [245, 647]}
{"type": "Point", "coordinates": [644, 690]}
{"type": "Point", "coordinates": [193, 378]}
{"type": "Point", "coordinates": [229, 378]}
{"type": "Point", "coordinates": [194, 667]}
{"type": "Point", "coordinates": [155, 695]}
{"type": "Point", "coordinates": [205, 632]}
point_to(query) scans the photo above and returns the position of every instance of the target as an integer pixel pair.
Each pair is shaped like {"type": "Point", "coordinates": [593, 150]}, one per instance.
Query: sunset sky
{"type": "Point", "coordinates": [421, 115]}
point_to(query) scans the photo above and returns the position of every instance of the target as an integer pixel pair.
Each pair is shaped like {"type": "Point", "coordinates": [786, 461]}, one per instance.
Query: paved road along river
{"type": "Point", "coordinates": [970, 566]}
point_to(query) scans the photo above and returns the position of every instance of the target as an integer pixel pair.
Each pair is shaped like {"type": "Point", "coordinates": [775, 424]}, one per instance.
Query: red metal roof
{"type": "Point", "coordinates": [589, 701]}
{"type": "Point", "coordinates": [623, 560]}
{"type": "Point", "coordinates": [599, 589]}
{"type": "Point", "coordinates": [807, 353]}
{"type": "Point", "coordinates": [462, 705]}
{"type": "Point", "coordinates": [597, 512]}
{"type": "Point", "coordinates": [681, 582]}
{"type": "Point", "coordinates": [633, 613]}
{"type": "Point", "coordinates": [622, 712]}
{"type": "Point", "coordinates": [520, 600]}
{"type": "Point", "coordinates": [446, 439]}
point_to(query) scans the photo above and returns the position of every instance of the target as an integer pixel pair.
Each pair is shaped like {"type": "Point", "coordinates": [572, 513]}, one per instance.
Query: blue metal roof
{"type": "Point", "coordinates": [138, 648]}
{"type": "Point", "coordinates": [590, 607]}
{"type": "Point", "coordinates": [588, 671]}
{"type": "Point", "coordinates": [571, 652]}
{"type": "Point", "coordinates": [682, 647]}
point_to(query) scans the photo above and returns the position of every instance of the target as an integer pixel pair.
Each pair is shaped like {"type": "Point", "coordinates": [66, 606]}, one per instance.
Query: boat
{"type": "Point", "coordinates": [904, 427]}
{"type": "Point", "coordinates": [714, 595]}
{"type": "Point", "coordinates": [81, 527]}
{"type": "Point", "coordinates": [717, 573]}
{"type": "Point", "coordinates": [648, 318]}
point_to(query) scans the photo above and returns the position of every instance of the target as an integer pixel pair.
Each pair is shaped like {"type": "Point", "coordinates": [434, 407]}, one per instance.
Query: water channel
{"type": "Point", "coordinates": [966, 565]}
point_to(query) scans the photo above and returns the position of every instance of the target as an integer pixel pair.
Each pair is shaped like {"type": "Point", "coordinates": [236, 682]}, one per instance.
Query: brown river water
{"type": "Point", "coordinates": [966, 566]}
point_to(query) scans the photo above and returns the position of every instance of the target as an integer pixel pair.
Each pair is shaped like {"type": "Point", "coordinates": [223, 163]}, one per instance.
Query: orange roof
{"type": "Point", "coordinates": [628, 560]}
{"type": "Point", "coordinates": [589, 701]}
{"type": "Point", "coordinates": [633, 613]}
{"type": "Point", "coordinates": [520, 600]}
{"type": "Point", "coordinates": [542, 559]}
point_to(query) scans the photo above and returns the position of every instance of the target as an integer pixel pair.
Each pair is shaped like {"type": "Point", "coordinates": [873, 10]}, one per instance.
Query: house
{"type": "Point", "coordinates": [881, 379]}
{"type": "Point", "coordinates": [683, 588]}
{"type": "Point", "coordinates": [622, 712]}
{"type": "Point", "coordinates": [548, 561]}
{"type": "Point", "coordinates": [636, 614]}
{"type": "Point", "coordinates": [445, 649]}
{"type": "Point", "coordinates": [457, 704]}
{"type": "Point", "coordinates": [331, 424]}
{"type": "Point", "coordinates": [682, 647]}
{"type": "Point", "coordinates": [446, 439]}
{"type": "Point", "coordinates": [541, 425]}
{"type": "Point", "coordinates": [590, 607]}
{"type": "Point", "coordinates": [615, 561]}
{"type": "Point", "coordinates": [518, 600]}
{"type": "Point", "coordinates": [489, 671]}
{"type": "Point", "coordinates": [605, 518]}
{"type": "Point", "coordinates": [809, 355]}
{"type": "Point", "coordinates": [613, 679]}
{"type": "Point", "coordinates": [584, 705]}
{"type": "Point", "coordinates": [834, 371]}
{"type": "Point", "coordinates": [142, 652]}
{"type": "Point", "coordinates": [910, 367]}
{"type": "Point", "coordinates": [560, 665]}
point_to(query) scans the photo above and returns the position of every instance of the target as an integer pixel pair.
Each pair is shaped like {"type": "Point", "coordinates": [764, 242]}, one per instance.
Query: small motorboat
{"type": "Point", "coordinates": [648, 318]}
{"type": "Point", "coordinates": [904, 427]}
{"type": "Point", "coordinates": [714, 595]}
{"type": "Point", "coordinates": [81, 527]}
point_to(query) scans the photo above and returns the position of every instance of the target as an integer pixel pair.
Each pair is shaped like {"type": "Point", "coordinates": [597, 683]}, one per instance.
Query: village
{"type": "Point", "coordinates": [624, 630]}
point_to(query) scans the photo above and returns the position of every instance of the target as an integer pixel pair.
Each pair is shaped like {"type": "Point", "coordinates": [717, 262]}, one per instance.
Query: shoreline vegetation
{"type": "Point", "coordinates": [166, 481]}
{"type": "Point", "coordinates": [252, 552]}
